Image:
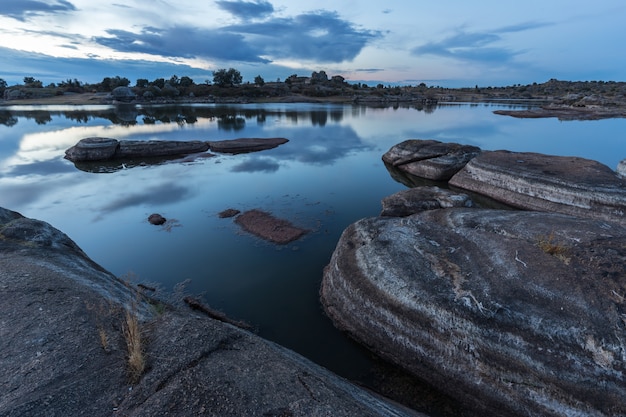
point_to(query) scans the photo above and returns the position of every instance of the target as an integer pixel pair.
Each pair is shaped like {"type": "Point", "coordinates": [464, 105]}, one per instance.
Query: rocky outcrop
{"type": "Point", "coordinates": [515, 313]}
{"type": "Point", "coordinates": [532, 181]}
{"type": "Point", "coordinates": [430, 159]}
{"type": "Point", "coordinates": [103, 149]}
{"type": "Point", "coordinates": [245, 145]}
{"type": "Point", "coordinates": [64, 350]}
{"type": "Point", "coordinates": [124, 94]}
{"type": "Point", "coordinates": [414, 200]}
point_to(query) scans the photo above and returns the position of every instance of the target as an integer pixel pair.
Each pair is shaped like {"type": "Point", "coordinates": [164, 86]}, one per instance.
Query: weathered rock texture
{"type": "Point", "coordinates": [621, 168]}
{"type": "Point", "coordinates": [430, 159]}
{"type": "Point", "coordinates": [245, 145]}
{"type": "Point", "coordinates": [560, 184]}
{"type": "Point", "coordinates": [414, 200]}
{"type": "Point", "coordinates": [103, 149]}
{"type": "Point", "coordinates": [63, 350]}
{"type": "Point", "coordinates": [516, 313]}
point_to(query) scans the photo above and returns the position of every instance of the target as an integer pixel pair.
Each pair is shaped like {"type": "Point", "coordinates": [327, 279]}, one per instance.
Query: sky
{"type": "Point", "coordinates": [448, 43]}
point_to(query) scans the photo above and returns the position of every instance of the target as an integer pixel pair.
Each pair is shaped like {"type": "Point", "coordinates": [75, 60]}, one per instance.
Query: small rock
{"type": "Point", "coordinates": [156, 219]}
{"type": "Point", "coordinates": [231, 212]}
{"type": "Point", "coordinates": [621, 168]}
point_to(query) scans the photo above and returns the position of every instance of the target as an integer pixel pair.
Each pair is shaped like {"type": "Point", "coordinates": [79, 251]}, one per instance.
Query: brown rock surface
{"type": "Point", "coordinates": [515, 313]}
{"type": "Point", "coordinates": [560, 184]}
{"type": "Point", "coordinates": [268, 227]}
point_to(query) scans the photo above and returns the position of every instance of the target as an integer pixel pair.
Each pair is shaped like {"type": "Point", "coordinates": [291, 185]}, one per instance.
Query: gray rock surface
{"type": "Point", "coordinates": [104, 149]}
{"type": "Point", "coordinates": [414, 200]}
{"type": "Point", "coordinates": [245, 145]}
{"type": "Point", "coordinates": [430, 159]}
{"type": "Point", "coordinates": [63, 350]}
{"type": "Point", "coordinates": [122, 93]}
{"type": "Point", "coordinates": [531, 181]}
{"type": "Point", "coordinates": [515, 313]}
{"type": "Point", "coordinates": [621, 168]}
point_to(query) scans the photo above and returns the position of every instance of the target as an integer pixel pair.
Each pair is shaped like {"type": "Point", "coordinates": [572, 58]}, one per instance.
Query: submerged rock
{"type": "Point", "coordinates": [63, 351]}
{"type": "Point", "coordinates": [268, 227]}
{"type": "Point", "coordinates": [561, 184]}
{"type": "Point", "coordinates": [515, 313]}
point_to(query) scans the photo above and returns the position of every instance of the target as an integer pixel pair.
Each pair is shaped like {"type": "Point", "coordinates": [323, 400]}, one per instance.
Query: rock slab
{"type": "Point", "coordinates": [63, 350]}
{"type": "Point", "coordinates": [245, 145]}
{"type": "Point", "coordinates": [268, 227]}
{"type": "Point", "coordinates": [415, 200]}
{"type": "Point", "coordinates": [103, 149]}
{"type": "Point", "coordinates": [561, 184]}
{"type": "Point", "coordinates": [515, 313]}
{"type": "Point", "coordinates": [430, 159]}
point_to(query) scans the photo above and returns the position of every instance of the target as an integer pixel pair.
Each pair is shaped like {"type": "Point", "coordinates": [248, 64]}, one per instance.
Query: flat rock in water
{"type": "Point", "coordinates": [63, 351]}
{"type": "Point", "coordinates": [105, 149]}
{"type": "Point", "coordinates": [245, 145]}
{"type": "Point", "coordinates": [430, 159]}
{"type": "Point", "coordinates": [515, 313]}
{"type": "Point", "coordinates": [157, 148]}
{"type": "Point", "coordinates": [415, 200]}
{"type": "Point", "coordinates": [268, 227]}
{"type": "Point", "coordinates": [561, 184]}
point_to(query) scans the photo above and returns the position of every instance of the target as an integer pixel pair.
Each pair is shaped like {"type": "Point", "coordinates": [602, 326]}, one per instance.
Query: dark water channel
{"type": "Point", "coordinates": [327, 176]}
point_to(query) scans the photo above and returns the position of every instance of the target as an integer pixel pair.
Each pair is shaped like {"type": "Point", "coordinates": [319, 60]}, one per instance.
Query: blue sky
{"type": "Point", "coordinates": [451, 43]}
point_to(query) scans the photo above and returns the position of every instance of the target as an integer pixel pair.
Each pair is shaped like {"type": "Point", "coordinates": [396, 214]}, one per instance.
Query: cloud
{"type": "Point", "coordinates": [22, 9]}
{"type": "Point", "coordinates": [246, 10]}
{"type": "Point", "coordinates": [182, 42]}
{"type": "Point", "coordinates": [257, 164]}
{"type": "Point", "coordinates": [317, 36]}
{"type": "Point", "coordinates": [476, 46]}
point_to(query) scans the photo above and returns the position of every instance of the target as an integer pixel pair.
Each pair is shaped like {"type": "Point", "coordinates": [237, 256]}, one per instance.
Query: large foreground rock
{"type": "Point", "coordinates": [63, 351]}
{"type": "Point", "coordinates": [430, 159]}
{"type": "Point", "coordinates": [561, 184]}
{"type": "Point", "coordinates": [515, 313]}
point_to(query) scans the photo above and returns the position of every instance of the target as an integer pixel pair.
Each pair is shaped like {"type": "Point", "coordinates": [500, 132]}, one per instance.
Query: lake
{"type": "Point", "coordinates": [327, 176]}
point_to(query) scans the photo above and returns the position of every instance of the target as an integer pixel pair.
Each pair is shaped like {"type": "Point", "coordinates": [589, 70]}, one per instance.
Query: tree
{"type": "Point", "coordinates": [258, 80]}
{"type": "Point", "coordinates": [32, 82]}
{"type": "Point", "coordinates": [186, 81]}
{"type": "Point", "coordinates": [142, 83]}
{"type": "Point", "coordinates": [3, 85]}
{"type": "Point", "coordinates": [229, 77]}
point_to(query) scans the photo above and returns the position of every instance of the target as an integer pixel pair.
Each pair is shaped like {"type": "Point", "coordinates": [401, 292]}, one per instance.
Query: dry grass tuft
{"type": "Point", "coordinates": [134, 345]}
{"type": "Point", "coordinates": [550, 245]}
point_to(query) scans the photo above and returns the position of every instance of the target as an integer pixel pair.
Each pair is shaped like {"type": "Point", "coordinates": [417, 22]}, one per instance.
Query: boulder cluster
{"type": "Point", "coordinates": [504, 287]}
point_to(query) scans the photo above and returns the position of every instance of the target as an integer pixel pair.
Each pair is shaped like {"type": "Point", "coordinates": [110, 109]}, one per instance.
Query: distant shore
{"type": "Point", "coordinates": [598, 107]}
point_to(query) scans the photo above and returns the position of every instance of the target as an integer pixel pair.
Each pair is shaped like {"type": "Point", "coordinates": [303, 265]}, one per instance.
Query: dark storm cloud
{"type": "Point", "coordinates": [320, 36]}
{"type": "Point", "coordinates": [182, 42]}
{"type": "Point", "coordinates": [22, 9]}
{"type": "Point", "coordinates": [476, 46]}
{"type": "Point", "coordinates": [246, 9]}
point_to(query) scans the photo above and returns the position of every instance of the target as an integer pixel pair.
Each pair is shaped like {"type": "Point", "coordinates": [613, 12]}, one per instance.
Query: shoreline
{"type": "Point", "coordinates": [546, 107]}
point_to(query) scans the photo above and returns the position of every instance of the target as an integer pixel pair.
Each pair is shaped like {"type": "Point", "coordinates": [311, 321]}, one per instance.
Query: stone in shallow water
{"type": "Point", "coordinates": [513, 312]}
{"type": "Point", "coordinates": [268, 227]}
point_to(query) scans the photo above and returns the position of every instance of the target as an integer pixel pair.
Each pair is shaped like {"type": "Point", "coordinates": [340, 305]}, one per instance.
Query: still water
{"type": "Point", "coordinates": [327, 176]}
